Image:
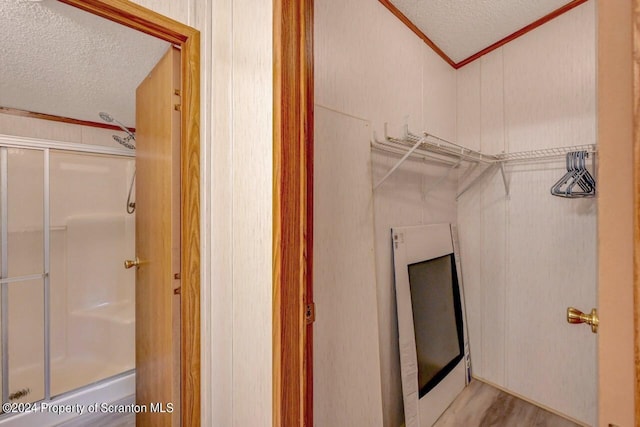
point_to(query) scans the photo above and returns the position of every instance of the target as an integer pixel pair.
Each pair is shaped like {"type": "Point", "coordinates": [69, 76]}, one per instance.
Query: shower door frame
{"type": "Point", "coordinates": [44, 146]}
{"type": "Point", "coordinates": [188, 40]}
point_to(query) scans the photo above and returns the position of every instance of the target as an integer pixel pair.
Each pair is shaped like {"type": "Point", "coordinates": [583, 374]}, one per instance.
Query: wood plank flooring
{"type": "Point", "coordinates": [104, 420]}
{"type": "Point", "coordinates": [481, 405]}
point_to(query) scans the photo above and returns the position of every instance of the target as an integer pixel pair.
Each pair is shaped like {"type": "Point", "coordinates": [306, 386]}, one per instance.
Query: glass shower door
{"type": "Point", "coordinates": [23, 268]}
{"type": "Point", "coordinates": [92, 295]}
{"type": "Point", "coordinates": [67, 316]}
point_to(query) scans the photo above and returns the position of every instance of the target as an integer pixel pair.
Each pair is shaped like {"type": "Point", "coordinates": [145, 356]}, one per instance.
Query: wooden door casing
{"type": "Point", "coordinates": [188, 39]}
{"type": "Point", "coordinates": [292, 212]}
{"type": "Point", "coordinates": [636, 200]}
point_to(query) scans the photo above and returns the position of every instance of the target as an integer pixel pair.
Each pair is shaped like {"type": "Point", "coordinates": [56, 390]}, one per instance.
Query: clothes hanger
{"type": "Point", "coordinates": [577, 176]}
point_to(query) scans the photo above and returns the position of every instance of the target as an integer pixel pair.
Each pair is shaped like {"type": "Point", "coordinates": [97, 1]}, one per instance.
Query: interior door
{"type": "Point", "coordinates": [158, 243]}
{"type": "Point", "coordinates": [616, 364]}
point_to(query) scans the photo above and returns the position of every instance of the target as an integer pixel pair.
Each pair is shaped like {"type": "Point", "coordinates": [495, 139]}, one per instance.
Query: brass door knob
{"type": "Point", "coordinates": [576, 316]}
{"type": "Point", "coordinates": [132, 263]}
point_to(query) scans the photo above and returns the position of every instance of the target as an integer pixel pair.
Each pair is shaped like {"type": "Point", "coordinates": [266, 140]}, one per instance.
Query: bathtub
{"type": "Point", "coordinates": [96, 365]}
{"type": "Point", "coordinates": [117, 389]}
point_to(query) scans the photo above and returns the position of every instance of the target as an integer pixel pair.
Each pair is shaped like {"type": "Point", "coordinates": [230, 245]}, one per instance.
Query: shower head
{"type": "Point", "coordinates": [123, 141]}
{"type": "Point", "coordinates": [106, 117]}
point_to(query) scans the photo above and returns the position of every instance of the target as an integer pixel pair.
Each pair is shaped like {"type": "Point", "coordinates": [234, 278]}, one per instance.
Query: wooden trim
{"type": "Point", "coordinates": [401, 16]}
{"type": "Point", "coordinates": [42, 116]}
{"type": "Point", "coordinates": [137, 17]}
{"type": "Point", "coordinates": [636, 202]}
{"type": "Point", "coordinates": [292, 209]}
{"type": "Point", "coordinates": [567, 7]}
{"type": "Point", "coordinates": [190, 239]}
{"type": "Point", "coordinates": [309, 76]}
{"type": "Point", "coordinates": [152, 23]}
{"type": "Point", "coordinates": [494, 46]}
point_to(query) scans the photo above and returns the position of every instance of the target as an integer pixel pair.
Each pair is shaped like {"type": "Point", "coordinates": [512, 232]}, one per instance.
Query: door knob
{"type": "Point", "coordinates": [576, 316]}
{"type": "Point", "coordinates": [132, 263]}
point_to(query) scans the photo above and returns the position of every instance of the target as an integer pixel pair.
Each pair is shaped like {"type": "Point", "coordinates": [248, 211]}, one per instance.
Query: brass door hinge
{"type": "Point", "coordinates": [310, 313]}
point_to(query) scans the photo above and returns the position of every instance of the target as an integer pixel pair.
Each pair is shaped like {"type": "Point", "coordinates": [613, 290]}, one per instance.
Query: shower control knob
{"type": "Point", "coordinates": [132, 263]}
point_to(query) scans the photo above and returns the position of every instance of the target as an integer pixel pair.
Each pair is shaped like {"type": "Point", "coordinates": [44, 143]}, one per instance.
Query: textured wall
{"type": "Point", "coordinates": [370, 65]}
{"type": "Point", "coordinates": [109, 61]}
{"type": "Point", "coordinates": [531, 255]}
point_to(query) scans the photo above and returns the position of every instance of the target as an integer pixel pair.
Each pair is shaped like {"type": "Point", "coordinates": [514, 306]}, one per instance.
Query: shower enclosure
{"type": "Point", "coordinates": [66, 302]}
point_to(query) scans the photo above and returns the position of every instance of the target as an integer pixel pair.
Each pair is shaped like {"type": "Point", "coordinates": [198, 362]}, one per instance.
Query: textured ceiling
{"type": "Point", "coordinates": [56, 59]}
{"type": "Point", "coordinates": [463, 28]}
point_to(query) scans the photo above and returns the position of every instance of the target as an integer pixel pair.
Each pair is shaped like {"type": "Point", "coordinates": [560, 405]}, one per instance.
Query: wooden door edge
{"type": "Point", "coordinates": [190, 337]}
{"type": "Point", "coordinates": [636, 201]}
{"type": "Point", "coordinates": [292, 212]}
{"type": "Point", "coordinates": [188, 38]}
{"type": "Point", "coordinates": [617, 269]}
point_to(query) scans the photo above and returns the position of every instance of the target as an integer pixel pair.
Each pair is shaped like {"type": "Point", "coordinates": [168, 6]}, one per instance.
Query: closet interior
{"type": "Point", "coordinates": [504, 149]}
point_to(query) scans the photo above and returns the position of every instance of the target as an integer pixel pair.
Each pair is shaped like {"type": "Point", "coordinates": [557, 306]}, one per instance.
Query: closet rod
{"type": "Point", "coordinates": [412, 145]}
{"type": "Point", "coordinates": [417, 154]}
{"type": "Point", "coordinates": [543, 153]}
{"type": "Point", "coordinates": [451, 149]}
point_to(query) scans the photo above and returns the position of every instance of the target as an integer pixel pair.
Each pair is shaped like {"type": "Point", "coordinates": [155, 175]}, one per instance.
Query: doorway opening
{"type": "Point", "coordinates": [186, 40]}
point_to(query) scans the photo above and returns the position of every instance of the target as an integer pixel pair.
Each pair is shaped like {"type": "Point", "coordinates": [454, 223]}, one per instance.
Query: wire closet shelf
{"type": "Point", "coordinates": [428, 146]}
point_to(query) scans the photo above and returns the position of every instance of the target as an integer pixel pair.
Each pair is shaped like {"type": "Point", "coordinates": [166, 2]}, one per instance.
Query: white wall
{"type": "Point", "coordinates": [369, 65]}
{"type": "Point", "coordinates": [237, 140]}
{"type": "Point", "coordinates": [346, 389]}
{"type": "Point", "coordinates": [527, 257]}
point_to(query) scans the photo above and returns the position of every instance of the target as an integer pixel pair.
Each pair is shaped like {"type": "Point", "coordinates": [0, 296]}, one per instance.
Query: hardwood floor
{"type": "Point", "coordinates": [481, 405]}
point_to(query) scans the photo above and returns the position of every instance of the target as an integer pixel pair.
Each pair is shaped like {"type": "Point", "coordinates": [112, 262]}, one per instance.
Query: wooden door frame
{"type": "Point", "coordinates": [292, 212]}
{"type": "Point", "coordinates": [188, 40]}
{"type": "Point", "coordinates": [636, 199]}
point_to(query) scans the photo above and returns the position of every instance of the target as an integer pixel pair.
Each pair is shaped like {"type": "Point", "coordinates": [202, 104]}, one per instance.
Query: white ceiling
{"type": "Point", "coordinates": [56, 59]}
{"type": "Point", "coordinates": [463, 28]}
